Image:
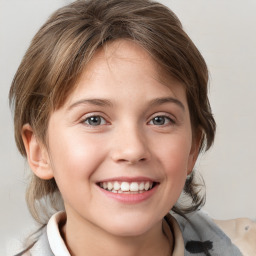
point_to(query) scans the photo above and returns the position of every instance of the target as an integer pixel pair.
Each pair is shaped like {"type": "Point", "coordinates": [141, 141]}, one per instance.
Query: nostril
{"type": "Point", "coordinates": [129, 155]}
{"type": "Point", "coordinates": [135, 160]}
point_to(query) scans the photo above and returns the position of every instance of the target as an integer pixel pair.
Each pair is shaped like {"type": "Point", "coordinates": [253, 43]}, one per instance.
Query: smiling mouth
{"type": "Point", "coordinates": [127, 187]}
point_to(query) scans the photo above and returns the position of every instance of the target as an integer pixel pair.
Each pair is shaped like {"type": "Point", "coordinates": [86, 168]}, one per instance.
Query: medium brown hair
{"type": "Point", "coordinates": [64, 45]}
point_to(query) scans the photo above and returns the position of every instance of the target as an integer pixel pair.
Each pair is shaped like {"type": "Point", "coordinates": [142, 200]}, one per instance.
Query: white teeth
{"type": "Point", "coordinates": [134, 186]}
{"type": "Point", "coordinates": [125, 186]}
{"type": "Point", "coordinates": [141, 186]}
{"type": "Point", "coordinates": [116, 185]}
{"type": "Point", "coordinates": [120, 187]}
{"type": "Point", "coordinates": [110, 186]}
{"type": "Point", "coordinates": [147, 186]}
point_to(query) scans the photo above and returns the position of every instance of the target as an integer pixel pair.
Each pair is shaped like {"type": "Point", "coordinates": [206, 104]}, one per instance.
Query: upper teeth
{"type": "Point", "coordinates": [125, 186]}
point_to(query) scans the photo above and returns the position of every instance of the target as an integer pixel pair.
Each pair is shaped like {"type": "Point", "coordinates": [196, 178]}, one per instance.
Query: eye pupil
{"type": "Point", "coordinates": [94, 120]}
{"type": "Point", "coordinates": [159, 120]}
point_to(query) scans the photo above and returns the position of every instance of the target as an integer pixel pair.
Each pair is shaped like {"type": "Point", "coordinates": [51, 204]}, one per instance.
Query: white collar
{"type": "Point", "coordinates": [56, 242]}
{"type": "Point", "coordinates": [59, 248]}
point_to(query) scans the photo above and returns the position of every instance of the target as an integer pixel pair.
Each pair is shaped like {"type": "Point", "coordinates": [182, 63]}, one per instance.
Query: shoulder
{"type": "Point", "coordinates": [201, 234]}
{"type": "Point", "coordinates": [242, 233]}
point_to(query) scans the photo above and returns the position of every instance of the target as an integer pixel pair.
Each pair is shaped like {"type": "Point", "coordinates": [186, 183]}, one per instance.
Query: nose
{"type": "Point", "coordinates": [130, 146]}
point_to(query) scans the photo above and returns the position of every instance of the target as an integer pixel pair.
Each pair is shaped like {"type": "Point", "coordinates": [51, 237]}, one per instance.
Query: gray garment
{"type": "Point", "coordinates": [202, 237]}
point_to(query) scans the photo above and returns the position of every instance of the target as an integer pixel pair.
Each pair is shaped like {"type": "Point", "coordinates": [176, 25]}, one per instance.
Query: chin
{"type": "Point", "coordinates": [130, 228]}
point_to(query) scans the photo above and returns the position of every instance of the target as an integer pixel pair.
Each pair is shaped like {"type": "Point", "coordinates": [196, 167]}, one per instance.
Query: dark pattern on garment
{"type": "Point", "coordinates": [202, 236]}
{"type": "Point", "coordinates": [199, 247]}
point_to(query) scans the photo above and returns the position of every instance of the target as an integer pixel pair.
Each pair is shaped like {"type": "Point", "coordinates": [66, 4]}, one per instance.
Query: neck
{"type": "Point", "coordinates": [86, 238]}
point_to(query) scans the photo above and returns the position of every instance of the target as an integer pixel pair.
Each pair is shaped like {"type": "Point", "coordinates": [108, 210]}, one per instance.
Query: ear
{"type": "Point", "coordinates": [194, 152]}
{"type": "Point", "coordinates": [37, 154]}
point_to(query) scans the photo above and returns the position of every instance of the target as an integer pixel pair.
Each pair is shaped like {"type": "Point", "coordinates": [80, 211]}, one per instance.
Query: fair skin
{"type": "Point", "coordinates": [124, 127]}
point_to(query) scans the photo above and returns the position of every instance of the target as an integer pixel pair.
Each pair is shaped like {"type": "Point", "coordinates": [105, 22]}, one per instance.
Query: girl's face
{"type": "Point", "coordinates": [121, 146]}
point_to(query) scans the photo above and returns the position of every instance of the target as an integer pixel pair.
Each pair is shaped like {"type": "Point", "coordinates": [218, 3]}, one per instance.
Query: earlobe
{"type": "Point", "coordinates": [37, 154]}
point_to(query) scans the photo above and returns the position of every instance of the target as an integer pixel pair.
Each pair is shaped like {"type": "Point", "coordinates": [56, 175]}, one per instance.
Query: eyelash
{"type": "Point", "coordinates": [90, 118]}
{"type": "Point", "coordinates": [167, 120]}
{"type": "Point", "coordinates": [102, 121]}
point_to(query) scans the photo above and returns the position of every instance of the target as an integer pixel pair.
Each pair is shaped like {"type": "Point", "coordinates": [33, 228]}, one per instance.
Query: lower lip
{"type": "Point", "coordinates": [130, 198]}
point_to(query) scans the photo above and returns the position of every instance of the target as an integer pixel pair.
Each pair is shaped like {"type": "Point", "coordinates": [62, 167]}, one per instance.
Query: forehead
{"type": "Point", "coordinates": [124, 62]}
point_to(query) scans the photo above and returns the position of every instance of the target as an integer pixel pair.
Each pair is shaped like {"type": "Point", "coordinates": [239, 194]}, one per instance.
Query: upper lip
{"type": "Point", "coordinates": [128, 179]}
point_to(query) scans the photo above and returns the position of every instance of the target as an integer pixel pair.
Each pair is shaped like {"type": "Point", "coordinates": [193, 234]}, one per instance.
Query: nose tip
{"type": "Point", "coordinates": [130, 149]}
{"type": "Point", "coordinates": [129, 155]}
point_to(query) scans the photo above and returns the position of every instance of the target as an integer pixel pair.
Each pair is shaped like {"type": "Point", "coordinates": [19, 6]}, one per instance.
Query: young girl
{"type": "Point", "coordinates": [111, 111]}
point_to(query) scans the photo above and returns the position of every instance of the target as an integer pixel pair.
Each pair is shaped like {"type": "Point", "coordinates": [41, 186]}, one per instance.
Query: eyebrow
{"type": "Point", "coordinates": [107, 103]}
{"type": "Point", "coordinates": [160, 101]}
{"type": "Point", "coordinates": [96, 102]}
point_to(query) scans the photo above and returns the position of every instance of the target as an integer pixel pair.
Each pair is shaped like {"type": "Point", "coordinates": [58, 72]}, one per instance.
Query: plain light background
{"type": "Point", "coordinates": [225, 33]}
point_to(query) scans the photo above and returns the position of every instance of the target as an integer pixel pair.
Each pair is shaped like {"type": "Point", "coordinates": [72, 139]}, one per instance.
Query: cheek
{"type": "Point", "coordinates": [74, 156]}
{"type": "Point", "coordinates": [175, 166]}
{"type": "Point", "coordinates": [174, 152]}
{"type": "Point", "coordinates": [74, 159]}
{"type": "Point", "coordinates": [174, 157]}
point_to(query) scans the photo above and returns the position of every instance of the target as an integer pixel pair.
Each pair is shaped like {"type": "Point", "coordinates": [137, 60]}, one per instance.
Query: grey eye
{"type": "Point", "coordinates": [95, 120]}
{"type": "Point", "coordinates": [160, 120]}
